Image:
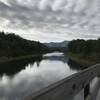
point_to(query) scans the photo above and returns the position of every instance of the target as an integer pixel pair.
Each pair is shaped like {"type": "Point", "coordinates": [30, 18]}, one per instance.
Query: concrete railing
{"type": "Point", "coordinates": [67, 88]}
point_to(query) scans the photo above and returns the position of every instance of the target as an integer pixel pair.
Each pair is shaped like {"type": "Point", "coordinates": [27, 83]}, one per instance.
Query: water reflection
{"type": "Point", "coordinates": [56, 57]}
{"type": "Point", "coordinates": [75, 66]}
{"type": "Point", "coordinates": [21, 78]}
{"type": "Point", "coordinates": [14, 67]}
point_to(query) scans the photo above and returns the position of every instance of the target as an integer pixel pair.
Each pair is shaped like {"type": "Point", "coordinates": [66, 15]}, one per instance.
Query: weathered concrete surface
{"type": "Point", "coordinates": [94, 91]}
{"type": "Point", "coordinates": [67, 88]}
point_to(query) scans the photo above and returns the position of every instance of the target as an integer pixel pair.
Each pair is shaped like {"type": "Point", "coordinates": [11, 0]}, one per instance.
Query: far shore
{"type": "Point", "coordinates": [10, 59]}
{"type": "Point", "coordinates": [80, 60]}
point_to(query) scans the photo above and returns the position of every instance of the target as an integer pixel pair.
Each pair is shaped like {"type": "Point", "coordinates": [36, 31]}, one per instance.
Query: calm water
{"type": "Point", "coordinates": [19, 79]}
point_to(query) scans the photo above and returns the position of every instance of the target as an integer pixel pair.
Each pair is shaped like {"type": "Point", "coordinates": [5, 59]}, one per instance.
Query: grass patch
{"type": "Point", "coordinates": [87, 60]}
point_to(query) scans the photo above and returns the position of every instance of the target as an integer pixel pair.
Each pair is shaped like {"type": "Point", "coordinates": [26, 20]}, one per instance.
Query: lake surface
{"type": "Point", "coordinates": [19, 79]}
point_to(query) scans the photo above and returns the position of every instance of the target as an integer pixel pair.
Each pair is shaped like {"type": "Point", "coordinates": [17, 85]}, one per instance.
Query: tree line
{"type": "Point", "coordinates": [13, 45]}
{"type": "Point", "coordinates": [89, 49]}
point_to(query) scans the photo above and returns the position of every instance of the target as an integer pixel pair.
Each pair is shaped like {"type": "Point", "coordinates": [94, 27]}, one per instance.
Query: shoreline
{"type": "Point", "coordinates": [10, 59]}
{"type": "Point", "coordinates": [78, 59]}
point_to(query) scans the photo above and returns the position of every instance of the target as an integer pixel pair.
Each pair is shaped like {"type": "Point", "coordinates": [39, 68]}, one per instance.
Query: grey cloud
{"type": "Point", "coordinates": [29, 14]}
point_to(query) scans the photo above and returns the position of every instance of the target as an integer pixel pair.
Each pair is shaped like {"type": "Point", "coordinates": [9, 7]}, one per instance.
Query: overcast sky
{"type": "Point", "coordinates": [51, 20]}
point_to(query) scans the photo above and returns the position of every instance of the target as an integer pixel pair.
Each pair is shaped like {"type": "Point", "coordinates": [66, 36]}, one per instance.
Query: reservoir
{"type": "Point", "coordinates": [24, 78]}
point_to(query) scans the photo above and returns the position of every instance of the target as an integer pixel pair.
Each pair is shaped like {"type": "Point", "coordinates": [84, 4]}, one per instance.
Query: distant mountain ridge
{"type": "Point", "coordinates": [63, 44]}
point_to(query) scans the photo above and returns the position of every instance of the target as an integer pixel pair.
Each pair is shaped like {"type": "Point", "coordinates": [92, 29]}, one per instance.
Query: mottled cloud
{"type": "Point", "coordinates": [52, 16]}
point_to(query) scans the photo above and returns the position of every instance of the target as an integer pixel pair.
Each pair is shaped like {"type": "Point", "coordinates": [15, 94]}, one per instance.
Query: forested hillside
{"type": "Point", "coordinates": [89, 50]}
{"type": "Point", "coordinates": [12, 45]}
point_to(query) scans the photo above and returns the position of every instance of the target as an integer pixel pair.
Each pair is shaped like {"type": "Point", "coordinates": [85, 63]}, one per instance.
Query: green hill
{"type": "Point", "coordinates": [12, 45]}
{"type": "Point", "coordinates": [85, 51]}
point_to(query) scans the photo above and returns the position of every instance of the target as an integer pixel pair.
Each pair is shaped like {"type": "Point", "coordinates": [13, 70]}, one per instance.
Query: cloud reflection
{"type": "Point", "coordinates": [33, 78]}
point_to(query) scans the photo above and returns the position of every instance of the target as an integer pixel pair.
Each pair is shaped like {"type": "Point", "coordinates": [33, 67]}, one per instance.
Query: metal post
{"type": "Point", "coordinates": [86, 91]}
{"type": "Point", "coordinates": [99, 76]}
